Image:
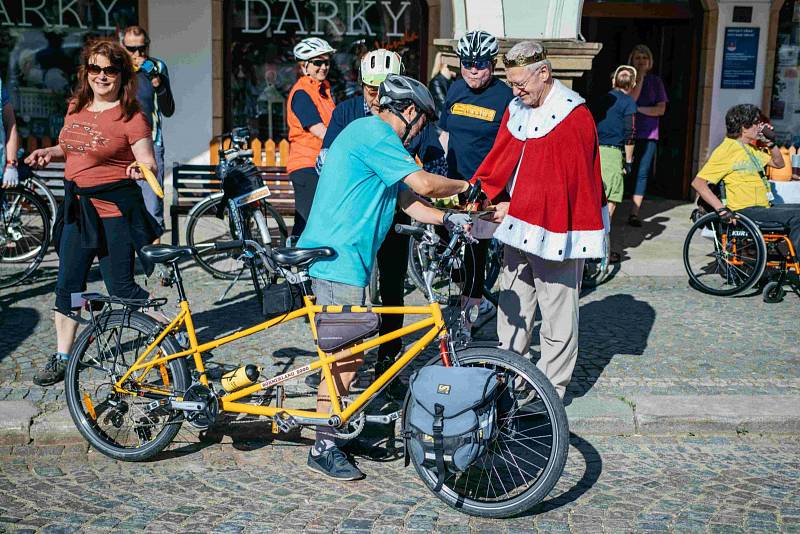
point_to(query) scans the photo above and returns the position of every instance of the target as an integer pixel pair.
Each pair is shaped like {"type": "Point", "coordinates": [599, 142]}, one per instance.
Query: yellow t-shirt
{"type": "Point", "coordinates": [744, 186]}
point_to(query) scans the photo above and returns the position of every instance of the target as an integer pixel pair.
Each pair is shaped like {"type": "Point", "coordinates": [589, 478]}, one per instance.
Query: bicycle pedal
{"type": "Point", "coordinates": [285, 422]}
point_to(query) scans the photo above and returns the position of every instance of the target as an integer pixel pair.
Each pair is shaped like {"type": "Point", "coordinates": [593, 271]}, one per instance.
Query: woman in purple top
{"type": "Point", "coordinates": [651, 101]}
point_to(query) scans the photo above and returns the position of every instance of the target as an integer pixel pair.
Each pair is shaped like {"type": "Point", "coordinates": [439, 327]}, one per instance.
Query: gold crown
{"type": "Point", "coordinates": [525, 60]}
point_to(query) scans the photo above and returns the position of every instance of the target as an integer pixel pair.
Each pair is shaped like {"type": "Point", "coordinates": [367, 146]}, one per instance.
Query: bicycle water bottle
{"type": "Point", "coordinates": [239, 378]}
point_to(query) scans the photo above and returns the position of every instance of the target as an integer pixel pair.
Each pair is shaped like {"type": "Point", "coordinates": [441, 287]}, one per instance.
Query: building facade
{"type": "Point", "coordinates": [230, 60]}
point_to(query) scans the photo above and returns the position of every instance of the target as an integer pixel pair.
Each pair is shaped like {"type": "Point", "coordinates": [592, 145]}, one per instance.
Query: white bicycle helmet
{"type": "Point", "coordinates": [312, 47]}
{"type": "Point", "coordinates": [477, 45]}
{"type": "Point", "coordinates": [378, 64]}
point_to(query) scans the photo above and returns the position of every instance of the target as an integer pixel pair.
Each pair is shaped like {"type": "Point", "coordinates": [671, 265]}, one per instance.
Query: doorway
{"type": "Point", "coordinates": [673, 32]}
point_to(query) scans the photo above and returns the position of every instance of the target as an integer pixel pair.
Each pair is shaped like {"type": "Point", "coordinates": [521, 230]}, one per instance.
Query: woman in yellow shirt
{"type": "Point", "coordinates": [738, 165]}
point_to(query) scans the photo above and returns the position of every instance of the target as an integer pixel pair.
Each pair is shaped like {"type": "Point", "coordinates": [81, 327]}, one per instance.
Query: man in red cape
{"type": "Point", "coordinates": [545, 159]}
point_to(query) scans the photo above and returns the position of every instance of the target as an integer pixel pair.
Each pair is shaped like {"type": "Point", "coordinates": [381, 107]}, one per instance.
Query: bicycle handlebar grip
{"type": "Point", "coordinates": [228, 245]}
{"type": "Point", "coordinates": [407, 229]}
{"type": "Point", "coordinates": [475, 192]}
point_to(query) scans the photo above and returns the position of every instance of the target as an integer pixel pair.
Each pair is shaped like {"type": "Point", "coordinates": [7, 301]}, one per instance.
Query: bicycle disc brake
{"type": "Point", "coordinates": [353, 427]}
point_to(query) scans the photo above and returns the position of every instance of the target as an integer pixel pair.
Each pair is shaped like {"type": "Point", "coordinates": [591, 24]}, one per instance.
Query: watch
{"type": "Point", "coordinates": [12, 162]}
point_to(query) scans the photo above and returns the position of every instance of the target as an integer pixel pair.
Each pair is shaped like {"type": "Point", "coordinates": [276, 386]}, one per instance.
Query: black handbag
{"type": "Point", "coordinates": [281, 298]}
{"type": "Point", "coordinates": [335, 331]}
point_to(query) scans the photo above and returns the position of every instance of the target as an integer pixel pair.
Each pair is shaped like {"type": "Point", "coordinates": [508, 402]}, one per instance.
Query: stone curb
{"type": "Point", "coordinates": [21, 422]}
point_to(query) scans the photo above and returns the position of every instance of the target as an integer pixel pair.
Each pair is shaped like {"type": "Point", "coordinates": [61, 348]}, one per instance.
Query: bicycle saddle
{"type": "Point", "coordinates": [286, 256]}
{"type": "Point", "coordinates": [166, 253]}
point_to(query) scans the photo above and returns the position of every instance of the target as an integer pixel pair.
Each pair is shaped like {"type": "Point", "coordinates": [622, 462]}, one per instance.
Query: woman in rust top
{"type": "Point", "coordinates": [103, 215]}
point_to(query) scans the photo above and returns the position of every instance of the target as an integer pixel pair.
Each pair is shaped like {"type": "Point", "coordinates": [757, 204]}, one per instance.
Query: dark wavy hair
{"type": "Point", "coordinates": [117, 56]}
{"type": "Point", "coordinates": [741, 116]}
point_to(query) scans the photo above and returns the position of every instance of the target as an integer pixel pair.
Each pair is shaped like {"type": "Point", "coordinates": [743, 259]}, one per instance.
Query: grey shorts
{"type": "Point", "coordinates": [329, 293]}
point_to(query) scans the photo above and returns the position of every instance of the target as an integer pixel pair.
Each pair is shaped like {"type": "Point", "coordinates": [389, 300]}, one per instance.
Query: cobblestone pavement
{"type": "Point", "coordinates": [610, 485]}
{"type": "Point", "coordinates": [639, 335]}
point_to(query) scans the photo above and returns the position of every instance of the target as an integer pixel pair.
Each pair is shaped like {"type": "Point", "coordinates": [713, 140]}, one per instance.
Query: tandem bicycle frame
{"type": "Point", "coordinates": [433, 321]}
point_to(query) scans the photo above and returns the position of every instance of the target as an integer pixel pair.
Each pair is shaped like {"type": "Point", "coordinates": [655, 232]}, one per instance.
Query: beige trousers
{"type": "Point", "coordinates": [528, 281]}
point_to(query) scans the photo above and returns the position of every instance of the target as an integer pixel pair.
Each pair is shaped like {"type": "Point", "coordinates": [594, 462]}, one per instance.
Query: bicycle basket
{"type": "Point", "coordinates": [239, 179]}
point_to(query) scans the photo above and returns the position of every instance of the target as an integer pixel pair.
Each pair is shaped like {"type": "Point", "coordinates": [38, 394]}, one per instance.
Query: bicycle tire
{"type": "Point", "coordinates": [374, 285]}
{"type": "Point", "coordinates": [549, 473]}
{"type": "Point", "coordinates": [90, 427]}
{"type": "Point", "coordinates": [494, 264]}
{"type": "Point", "coordinates": [415, 270]}
{"type": "Point", "coordinates": [224, 265]}
{"type": "Point", "coordinates": [39, 187]}
{"type": "Point", "coordinates": [24, 236]}
{"type": "Point", "coordinates": [597, 271]}
{"type": "Point", "coordinates": [723, 271]}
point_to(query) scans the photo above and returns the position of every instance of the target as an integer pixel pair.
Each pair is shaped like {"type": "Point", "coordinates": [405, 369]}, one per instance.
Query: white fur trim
{"type": "Point", "coordinates": [525, 122]}
{"type": "Point", "coordinates": [553, 245]}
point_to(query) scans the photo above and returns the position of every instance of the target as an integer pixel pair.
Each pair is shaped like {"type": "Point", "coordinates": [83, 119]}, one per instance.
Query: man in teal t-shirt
{"type": "Point", "coordinates": [366, 172]}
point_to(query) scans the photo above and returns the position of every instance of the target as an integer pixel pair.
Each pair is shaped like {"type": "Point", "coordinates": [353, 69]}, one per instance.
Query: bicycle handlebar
{"type": "Point", "coordinates": [229, 245]}
{"type": "Point", "coordinates": [407, 229]}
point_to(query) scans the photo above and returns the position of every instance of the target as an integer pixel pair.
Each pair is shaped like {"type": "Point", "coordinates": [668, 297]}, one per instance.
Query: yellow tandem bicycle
{"type": "Point", "coordinates": [130, 384]}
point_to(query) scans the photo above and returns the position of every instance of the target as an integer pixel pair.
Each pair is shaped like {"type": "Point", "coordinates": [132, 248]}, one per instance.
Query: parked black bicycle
{"type": "Point", "coordinates": [24, 234]}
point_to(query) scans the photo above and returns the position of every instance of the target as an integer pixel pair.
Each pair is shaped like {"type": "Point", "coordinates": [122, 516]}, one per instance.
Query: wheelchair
{"type": "Point", "coordinates": [727, 259]}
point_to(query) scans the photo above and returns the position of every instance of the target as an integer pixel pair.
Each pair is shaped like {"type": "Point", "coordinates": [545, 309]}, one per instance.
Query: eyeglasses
{"type": "Point", "coordinates": [370, 90]}
{"type": "Point", "coordinates": [320, 62]}
{"type": "Point", "coordinates": [521, 85]}
{"type": "Point", "coordinates": [111, 71]}
{"type": "Point", "coordinates": [477, 64]}
{"type": "Point", "coordinates": [142, 50]}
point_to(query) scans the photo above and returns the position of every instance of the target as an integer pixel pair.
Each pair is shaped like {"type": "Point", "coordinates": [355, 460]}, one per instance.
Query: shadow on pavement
{"type": "Point", "coordinates": [625, 237]}
{"type": "Point", "coordinates": [616, 325]}
{"type": "Point", "coordinates": [593, 467]}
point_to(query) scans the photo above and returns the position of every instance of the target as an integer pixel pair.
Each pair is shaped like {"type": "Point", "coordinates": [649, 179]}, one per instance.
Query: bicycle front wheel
{"type": "Point", "coordinates": [526, 456]}
{"type": "Point", "coordinates": [124, 426]}
{"type": "Point", "coordinates": [24, 235]}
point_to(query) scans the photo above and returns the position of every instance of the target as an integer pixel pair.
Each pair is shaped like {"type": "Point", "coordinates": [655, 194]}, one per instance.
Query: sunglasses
{"type": "Point", "coordinates": [479, 64]}
{"type": "Point", "coordinates": [111, 71]}
{"type": "Point", "coordinates": [133, 49]}
{"type": "Point", "coordinates": [320, 62]}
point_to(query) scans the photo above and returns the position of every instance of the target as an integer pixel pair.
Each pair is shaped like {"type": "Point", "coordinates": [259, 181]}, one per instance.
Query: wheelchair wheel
{"type": "Point", "coordinates": [724, 259]}
{"type": "Point", "coordinates": [773, 292]}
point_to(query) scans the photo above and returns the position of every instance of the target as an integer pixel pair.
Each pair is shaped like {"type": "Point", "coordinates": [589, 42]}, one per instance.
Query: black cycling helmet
{"type": "Point", "coordinates": [401, 89]}
{"type": "Point", "coordinates": [477, 45]}
{"type": "Point", "coordinates": [397, 92]}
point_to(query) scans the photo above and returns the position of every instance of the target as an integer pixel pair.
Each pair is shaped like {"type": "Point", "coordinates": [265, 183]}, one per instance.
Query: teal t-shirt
{"type": "Point", "coordinates": [355, 200]}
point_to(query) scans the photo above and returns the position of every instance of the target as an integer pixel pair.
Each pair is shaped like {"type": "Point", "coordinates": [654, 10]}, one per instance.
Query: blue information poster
{"type": "Point", "coordinates": [739, 58]}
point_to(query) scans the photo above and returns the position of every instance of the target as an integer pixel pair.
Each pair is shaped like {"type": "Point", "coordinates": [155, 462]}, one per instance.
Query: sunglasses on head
{"type": "Point", "coordinates": [478, 64]}
{"type": "Point", "coordinates": [133, 49]}
{"type": "Point", "coordinates": [111, 71]}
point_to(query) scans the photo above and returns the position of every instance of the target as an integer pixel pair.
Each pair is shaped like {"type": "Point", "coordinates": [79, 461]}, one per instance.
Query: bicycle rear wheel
{"type": "Point", "coordinates": [123, 426]}
{"type": "Point", "coordinates": [38, 186]}
{"type": "Point", "coordinates": [528, 453]}
{"type": "Point", "coordinates": [24, 235]}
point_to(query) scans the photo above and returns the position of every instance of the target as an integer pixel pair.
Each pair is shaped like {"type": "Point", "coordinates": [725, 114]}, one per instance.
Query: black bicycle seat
{"type": "Point", "coordinates": [166, 253]}
{"type": "Point", "coordinates": [287, 257]}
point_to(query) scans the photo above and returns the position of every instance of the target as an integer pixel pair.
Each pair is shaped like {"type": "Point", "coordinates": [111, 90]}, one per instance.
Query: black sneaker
{"type": "Point", "coordinates": [334, 463]}
{"type": "Point", "coordinates": [52, 372]}
{"type": "Point", "coordinates": [396, 390]}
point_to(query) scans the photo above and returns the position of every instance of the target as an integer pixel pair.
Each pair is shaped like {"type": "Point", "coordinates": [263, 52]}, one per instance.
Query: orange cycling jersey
{"type": "Point", "coordinates": [304, 146]}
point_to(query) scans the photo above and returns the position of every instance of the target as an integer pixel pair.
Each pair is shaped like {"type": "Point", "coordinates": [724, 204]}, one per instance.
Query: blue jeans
{"type": "Point", "coordinates": [155, 205]}
{"type": "Point", "coordinates": [645, 155]}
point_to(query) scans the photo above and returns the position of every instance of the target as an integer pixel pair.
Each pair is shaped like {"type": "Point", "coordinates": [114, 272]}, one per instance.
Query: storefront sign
{"type": "Point", "coordinates": [58, 13]}
{"type": "Point", "coordinates": [739, 58]}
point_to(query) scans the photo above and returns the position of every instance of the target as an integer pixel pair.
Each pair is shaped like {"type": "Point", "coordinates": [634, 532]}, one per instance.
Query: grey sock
{"type": "Point", "coordinates": [322, 443]}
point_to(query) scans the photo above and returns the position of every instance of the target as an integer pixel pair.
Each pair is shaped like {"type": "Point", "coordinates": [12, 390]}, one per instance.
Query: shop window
{"type": "Point", "coordinates": [785, 106]}
{"type": "Point", "coordinates": [260, 35]}
{"type": "Point", "coordinates": [40, 49]}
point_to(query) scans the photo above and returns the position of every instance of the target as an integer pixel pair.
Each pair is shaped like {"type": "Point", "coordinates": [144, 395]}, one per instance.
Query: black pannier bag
{"type": "Point", "coordinates": [452, 417]}
{"type": "Point", "coordinates": [335, 331]}
{"type": "Point", "coordinates": [281, 298]}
